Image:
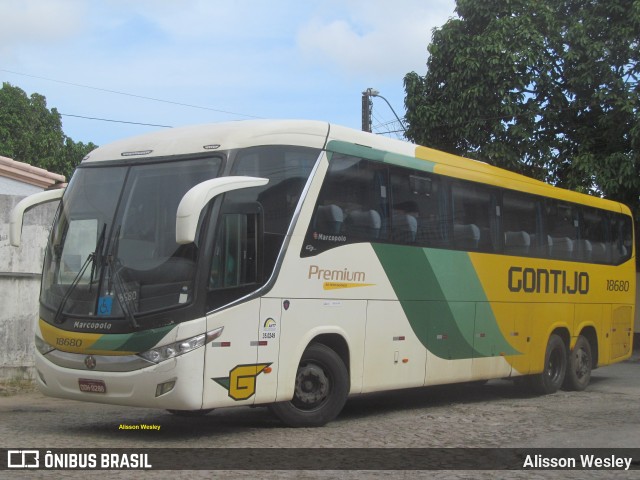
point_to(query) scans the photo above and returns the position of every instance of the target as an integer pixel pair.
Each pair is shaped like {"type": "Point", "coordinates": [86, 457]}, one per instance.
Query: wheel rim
{"type": "Point", "coordinates": [554, 365]}
{"type": "Point", "coordinates": [313, 387]}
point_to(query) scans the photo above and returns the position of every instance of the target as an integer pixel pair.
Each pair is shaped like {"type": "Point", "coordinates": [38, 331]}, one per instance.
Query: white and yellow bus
{"type": "Point", "coordinates": [296, 263]}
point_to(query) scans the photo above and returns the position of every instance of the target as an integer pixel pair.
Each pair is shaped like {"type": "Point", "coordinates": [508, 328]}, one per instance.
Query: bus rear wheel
{"type": "Point", "coordinates": [555, 367]}
{"type": "Point", "coordinates": [321, 389]}
{"type": "Point", "coordinates": [580, 365]}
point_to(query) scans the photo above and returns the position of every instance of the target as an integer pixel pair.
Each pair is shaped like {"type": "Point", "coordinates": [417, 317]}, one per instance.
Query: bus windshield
{"type": "Point", "coordinates": [113, 250]}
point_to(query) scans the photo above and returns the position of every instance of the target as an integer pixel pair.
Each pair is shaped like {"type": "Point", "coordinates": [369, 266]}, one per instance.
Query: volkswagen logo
{"type": "Point", "coordinates": [90, 362]}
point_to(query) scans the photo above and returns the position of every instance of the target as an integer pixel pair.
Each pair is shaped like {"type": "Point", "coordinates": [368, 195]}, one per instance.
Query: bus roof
{"type": "Point", "coordinates": [317, 134]}
{"type": "Point", "coordinates": [210, 137]}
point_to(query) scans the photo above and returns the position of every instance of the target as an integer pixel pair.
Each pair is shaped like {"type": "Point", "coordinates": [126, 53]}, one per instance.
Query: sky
{"type": "Point", "coordinates": [171, 63]}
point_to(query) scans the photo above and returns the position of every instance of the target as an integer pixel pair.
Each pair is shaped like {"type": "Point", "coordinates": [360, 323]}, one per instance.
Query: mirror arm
{"type": "Point", "coordinates": [17, 213]}
{"type": "Point", "coordinates": [197, 198]}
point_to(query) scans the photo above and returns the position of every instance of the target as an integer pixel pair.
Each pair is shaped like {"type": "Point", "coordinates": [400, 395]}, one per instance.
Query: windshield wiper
{"type": "Point", "coordinates": [91, 258]}
{"type": "Point", "coordinates": [97, 255]}
{"type": "Point", "coordinates": [122, 294]}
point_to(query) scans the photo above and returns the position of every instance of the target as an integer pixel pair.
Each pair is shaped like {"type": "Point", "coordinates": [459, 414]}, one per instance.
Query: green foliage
{"type": "Point", "coordinates": [547, 88]}
{"type": "Point", "coordinates": [31, 133]}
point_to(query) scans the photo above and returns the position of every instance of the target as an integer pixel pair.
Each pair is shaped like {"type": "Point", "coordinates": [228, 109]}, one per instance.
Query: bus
{"type": "Point", "coordinates": [293, 264]}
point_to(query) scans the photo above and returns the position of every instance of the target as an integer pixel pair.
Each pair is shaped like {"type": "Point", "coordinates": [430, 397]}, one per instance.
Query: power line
{"type": "Point", "coordinates": [389, 132]}
{"type": "Point", "coordinates": [143, 97]}
{"type": "Point", "coordinates": [390, 128]}
{"type": "Point", "coordinates": [115, 121]}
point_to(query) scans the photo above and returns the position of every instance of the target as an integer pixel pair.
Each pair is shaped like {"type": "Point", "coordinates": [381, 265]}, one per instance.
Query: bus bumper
{"type": "Point", "coordinates": [176, 383]}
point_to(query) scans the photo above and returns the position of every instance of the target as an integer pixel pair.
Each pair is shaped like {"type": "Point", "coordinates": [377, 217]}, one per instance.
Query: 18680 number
{"type": "Point", "coordinates": [618, 285]}
{"type": "Point", "coordinates": [68, 342]}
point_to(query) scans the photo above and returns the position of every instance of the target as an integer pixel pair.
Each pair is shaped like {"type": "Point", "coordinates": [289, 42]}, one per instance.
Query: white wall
{"type": "Point", "coordinates": [9, 186]}
{"type": "Point", "coordinates": [20, 273]}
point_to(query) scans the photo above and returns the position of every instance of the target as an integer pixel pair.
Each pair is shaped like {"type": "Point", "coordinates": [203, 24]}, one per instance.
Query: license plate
{"type": "Point", "coordinates": [92, 386]}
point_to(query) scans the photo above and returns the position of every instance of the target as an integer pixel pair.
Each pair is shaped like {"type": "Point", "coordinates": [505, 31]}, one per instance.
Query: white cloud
{"type": "Point", "coordinates": [373, 37]}
{"type": "Point", "coordinates": [39, 21]}
{"type": "Point", "coordinates": [277, 58]}
{"type": "Point", "coordinates": [194, 20]}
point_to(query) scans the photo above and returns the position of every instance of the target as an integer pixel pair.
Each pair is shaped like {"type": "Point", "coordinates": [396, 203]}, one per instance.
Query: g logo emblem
{"type": "Point", "coordinates": [241, 382]}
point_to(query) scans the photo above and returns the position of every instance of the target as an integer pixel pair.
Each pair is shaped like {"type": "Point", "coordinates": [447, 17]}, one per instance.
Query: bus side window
{"type": "Point", "coordinates": [519, 224]}
{"type": "Point", "coordinates": [474, 222]}
{"type": "Point", "coordinates": [595, 244]}
{"type": "Point", "coordinates": [329, 219]}
{"type": "Point", "coordinates": [562, 227]}
{"type": "Point", "coordinates": [366, 197]}
{"type": "Point", "coordinates": [352, 205]}
{"type": "Point", "coordinates": [363, 223]}
{"type": "Point", "coordinates": [622, 238]}
{"type": "Point", "coordinates": [415, 210]}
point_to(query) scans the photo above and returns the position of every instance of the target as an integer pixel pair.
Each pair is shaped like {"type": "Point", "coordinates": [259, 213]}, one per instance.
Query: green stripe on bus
{"type": "Point", "coordinates": [361, 151]}
{"type": "Point", "coordinates": [443, 300]}
{"type": "Point", "coordinates": [132, 342]}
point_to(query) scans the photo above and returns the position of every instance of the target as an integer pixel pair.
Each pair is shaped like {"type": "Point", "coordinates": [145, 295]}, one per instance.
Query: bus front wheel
{"type": "Point", "coordinates": [555, 367]}
{"type": "Point", "coordinates": [580, 365]}
{"type": "Point", "coordinates": [321, 389]}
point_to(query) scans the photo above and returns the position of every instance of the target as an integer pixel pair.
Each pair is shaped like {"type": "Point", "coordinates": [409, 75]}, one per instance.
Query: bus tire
{"type": "Point", "coordinates": [321, 389]}
{"type": "Point", "coordinates": [579, 366]}
{"type": "Point", "coordinates": [555, 367]}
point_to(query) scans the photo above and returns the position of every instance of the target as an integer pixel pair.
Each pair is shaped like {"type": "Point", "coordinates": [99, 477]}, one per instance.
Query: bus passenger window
{"type": "Point", "coordinates": [329, 219]}
{"type": "Point", "coordinates": [352, 205]}
{"type": "Point", "coordinates": [474, 223]}
{"type": "Point", "coordinates": [562, 227]}
{"type": "Point", "coordinates": [415, 212]}
{"type": "Point", "coordinates": [404, 222]}
{"type": "Point", "coordinates": [363, 224]}
{"type": "Point", "coordinates": [622, 237]}
{"type": "Point", "coordinates": [517, 242]}
{"type": "Point", "coordinates": [593, 245]}
{"type": "Point", "coordinates": [519, 212]}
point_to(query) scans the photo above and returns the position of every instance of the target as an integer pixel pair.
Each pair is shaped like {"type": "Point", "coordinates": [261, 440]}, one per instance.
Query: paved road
{"type": "Point", "coordinates": [491, 415]}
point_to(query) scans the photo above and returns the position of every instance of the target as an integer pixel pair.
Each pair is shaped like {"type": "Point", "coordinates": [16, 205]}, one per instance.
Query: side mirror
{"type": "Point", "coordinates": [195, 200]}
{"type": "Point", "coordinates": [17, 214]}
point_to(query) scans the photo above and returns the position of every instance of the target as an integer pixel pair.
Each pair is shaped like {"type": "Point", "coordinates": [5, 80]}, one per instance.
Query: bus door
{"type": "Point", "coordinates": [232, 361]}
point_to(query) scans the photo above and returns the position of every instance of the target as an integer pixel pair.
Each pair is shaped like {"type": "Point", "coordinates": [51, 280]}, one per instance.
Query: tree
{"type": "Point", "coordinates": [31, 133]}
{"type": "Point", "coordinates": [546, 88]}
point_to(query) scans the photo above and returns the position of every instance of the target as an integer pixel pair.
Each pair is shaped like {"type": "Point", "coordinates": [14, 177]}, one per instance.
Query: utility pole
{"type": "Point", "coordinates": [367, 106]}
{"type": "Point", "coordinates": [371, 92]}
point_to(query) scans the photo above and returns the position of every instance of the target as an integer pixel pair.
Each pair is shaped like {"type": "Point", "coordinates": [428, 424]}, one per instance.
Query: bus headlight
{"type": "Point", "coordinates": [42, 346]}
{"type": "Point", "coordinates": [165, 352]}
